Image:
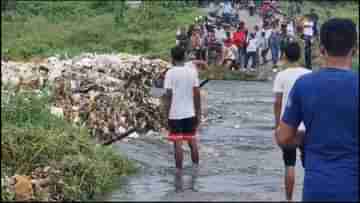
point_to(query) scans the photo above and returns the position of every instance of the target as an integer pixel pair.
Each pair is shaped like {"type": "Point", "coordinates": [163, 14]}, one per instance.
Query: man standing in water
{"type": "Point", "coordinates": [327, 101]}
{"type": "Point", "coordinates": [182, 106]}
{"type": "Point", "coordinates": [283, 83]}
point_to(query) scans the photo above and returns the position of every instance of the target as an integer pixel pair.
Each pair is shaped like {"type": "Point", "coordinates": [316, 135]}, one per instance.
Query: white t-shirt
{"type": "Point", "coordinates": [268, 33]}
{"type": "Point", "coordinates": [191, 65]}
{"type": "Point", "coordinates": [309, 28]}
{"type": "Point", "coordinates": [283, 83]}
{"type": "Point", "coordinates": [220, 35]}
{"type": "Point", "coordinates": [181, 80]}
{"type": "Point", "coordinates": [290, 29]}
{"type": "Point", "coordinates": [252, 45]}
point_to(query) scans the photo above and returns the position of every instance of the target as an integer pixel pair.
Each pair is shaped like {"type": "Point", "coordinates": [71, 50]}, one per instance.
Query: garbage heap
{"type": "Point", "coordinates": [110, 93]}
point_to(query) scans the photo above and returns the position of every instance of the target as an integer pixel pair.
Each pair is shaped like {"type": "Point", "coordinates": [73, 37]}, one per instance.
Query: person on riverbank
{"type": "Point", "coordinates": [230, 51]}
{"type": "Point", "coordinates": [264, 48]}
{"type": "Point", "coordinates": [284, 39]}
{"type": "Point", "coordinates": [182, 106]}
{"type": "Point", "coordinates": [267, 30]}
{"type": "Point", "coordinates": [251, 51]}
{"type": "Point", "coordinates": [283, 83]}
{"type": "Point", "coordinates": [196, 42]}
{"type": "Point", "coordinates": [227, 12]}
{"type": "Point", "coordinates": [274, 43]}
{"type": "Point", "coordinates": [239, 39]}
{"type": "Point", "coordinates": [327, 102]}
{"type": "Point", "coordinates": [257, 32]}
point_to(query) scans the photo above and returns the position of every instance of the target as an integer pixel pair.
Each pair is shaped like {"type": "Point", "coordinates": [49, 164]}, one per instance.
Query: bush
{"type": "Point", "coordinates": [32, 137]}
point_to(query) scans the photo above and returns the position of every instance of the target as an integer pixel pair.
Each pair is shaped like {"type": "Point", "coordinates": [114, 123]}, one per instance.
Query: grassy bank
{"type": "Point", "coordinates": [32, 137]}
{"type": "Point", "coordinates": [44, 28]}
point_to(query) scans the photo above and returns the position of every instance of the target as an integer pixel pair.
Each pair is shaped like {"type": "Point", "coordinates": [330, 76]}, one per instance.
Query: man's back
{"type": "Point", "coordinates": [285, 80]}
{"type": "Point", "coordinates": [329, 104]}
{"type": "Point", "coordinates": [181, 80]}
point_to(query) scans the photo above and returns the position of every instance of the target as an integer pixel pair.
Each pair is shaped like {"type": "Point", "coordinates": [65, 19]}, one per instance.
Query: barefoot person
{"type": "Point", "coordinates": [327, 101]}
{"type": "Point", "coordinates": [182, 108]}
{"type": "Point", "coordinates": [282, 85]}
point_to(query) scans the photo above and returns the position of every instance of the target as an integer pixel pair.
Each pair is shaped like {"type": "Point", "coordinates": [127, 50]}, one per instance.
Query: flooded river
{"type": "Point", "coordinates": [238, 157]}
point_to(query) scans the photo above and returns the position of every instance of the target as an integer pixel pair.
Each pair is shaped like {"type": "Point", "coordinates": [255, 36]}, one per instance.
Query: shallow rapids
{"type": "Point", "coordinates": [238, 157]}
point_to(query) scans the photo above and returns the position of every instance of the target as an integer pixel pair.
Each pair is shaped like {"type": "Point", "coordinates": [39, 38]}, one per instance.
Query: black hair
{"type": "Point", "coordinates": [293, 52]}
{"type": "Point", "coordinates": [228, 34]}
{"type": "Point", "coordinates": [338, 36]}
{"type": "Point", "coordinates": [178, 54]}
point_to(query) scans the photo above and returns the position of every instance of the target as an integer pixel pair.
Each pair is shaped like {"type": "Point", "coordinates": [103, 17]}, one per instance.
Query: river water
{"type": "Point", "coordinates": [239, 160]}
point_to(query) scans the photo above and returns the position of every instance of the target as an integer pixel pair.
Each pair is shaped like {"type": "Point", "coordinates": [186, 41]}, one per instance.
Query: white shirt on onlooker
{"type": "Point", "coordinates": [252, 45]}
{"type": "Point", "coordinates": [267, 33]}
{"type": "Point", "coordinates": [262, 43]}
{"type": "Point", "coordinates": [283, 83]}
{"type": "Point", "coordinates": [309, 28]}
{"type": "Point", "coordinates": [181, 80]}
{"type": "Point", "coordinates": [220, 35]}
{"type": "Point", "coordinates": [290, 28]}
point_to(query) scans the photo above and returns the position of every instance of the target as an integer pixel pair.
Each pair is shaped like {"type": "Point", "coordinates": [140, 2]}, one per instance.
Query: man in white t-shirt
{"type": "Point", "coordinates": [182, 106]}
{"type": "Point", "coordinates": [220, 35]}
{"type": "Point", "coordinates": [283, 83]}
{"type": "Point", "coordinates": [308, 35]}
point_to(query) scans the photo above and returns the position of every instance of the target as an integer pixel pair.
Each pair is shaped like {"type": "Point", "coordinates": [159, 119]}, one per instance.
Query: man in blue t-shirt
{"type": "Point", "coordinates": [327, 101]}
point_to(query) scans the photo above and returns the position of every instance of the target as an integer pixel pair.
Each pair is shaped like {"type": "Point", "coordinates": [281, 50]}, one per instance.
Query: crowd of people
{"type": "Point", "coordinates": [223, 38]}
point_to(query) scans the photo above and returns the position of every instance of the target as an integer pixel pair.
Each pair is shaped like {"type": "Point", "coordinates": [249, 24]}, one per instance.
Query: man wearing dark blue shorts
{"type": "Point", "coordinates": [327, 101]}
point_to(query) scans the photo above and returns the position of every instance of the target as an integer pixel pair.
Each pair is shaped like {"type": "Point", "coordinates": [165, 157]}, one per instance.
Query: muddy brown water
{"type": "Point", "coordinates": [239, 159]}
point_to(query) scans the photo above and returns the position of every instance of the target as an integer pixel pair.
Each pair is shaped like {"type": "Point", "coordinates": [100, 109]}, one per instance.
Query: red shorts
{"type": "Point", "coordinates": [181, 136]}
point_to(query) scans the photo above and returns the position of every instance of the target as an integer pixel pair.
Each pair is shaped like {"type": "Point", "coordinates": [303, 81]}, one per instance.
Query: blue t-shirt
{"type": "Point", "coordinates": [227, 8]}
{"type": "Point", "coordinates": [328, 103]}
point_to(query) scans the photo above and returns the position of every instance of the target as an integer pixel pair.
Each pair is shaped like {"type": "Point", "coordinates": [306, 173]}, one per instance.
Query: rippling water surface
{"type": "Point", "coordinates": [238, 156]}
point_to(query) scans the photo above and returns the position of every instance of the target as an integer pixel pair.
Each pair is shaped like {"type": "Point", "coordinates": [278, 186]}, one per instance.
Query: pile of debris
{"type": "Point", "coordinates": [109, 93]}
{"type": "Point", "coordinates": [44, 184]}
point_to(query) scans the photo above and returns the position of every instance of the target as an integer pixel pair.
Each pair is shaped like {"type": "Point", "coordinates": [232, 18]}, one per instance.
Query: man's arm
{"type": "Point", "coordinates": [277, 108]}
{"type": "Point", "coordinates": [167, 103]}
{"type": "Point", "coordinates": [167, 97]}
{"type": "Point", "coordinates": [286, 135]}
{"type": "Point", "coordinates": [197, 104]}
{"type": "Point", "coordinates": [278, 91]}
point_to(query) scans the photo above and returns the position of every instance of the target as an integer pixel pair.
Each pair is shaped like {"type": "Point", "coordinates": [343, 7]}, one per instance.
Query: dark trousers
{"type": "Point", "coordinates": [264, 54]}
{"type": "Point", "coordinates": [251, 55]}
{"type": "Point", "coordinates": [308, 52]}
{"type": "Point", "coordinates": [227, 18]}
{"type": "Point", "coordinates": [251, 11]}
{"type": "Point", "coordinates": [241, 57]}
{"type": "Point", "coordinates": [275, 49]}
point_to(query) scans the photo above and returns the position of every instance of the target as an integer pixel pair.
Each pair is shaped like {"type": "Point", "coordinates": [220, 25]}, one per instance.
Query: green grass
{"type": "Point", "coordinates": [41, 29]}
{"type": "Point", "coordinates": [31, 137]}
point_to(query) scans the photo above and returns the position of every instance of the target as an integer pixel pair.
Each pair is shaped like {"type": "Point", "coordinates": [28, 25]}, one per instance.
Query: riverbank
{"type": "Point", "coordinates": [40, 29]}
{"type": "Point", "coordinates": [56, 113]}
{"type": "Point", "coordinates": [45, 158]}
